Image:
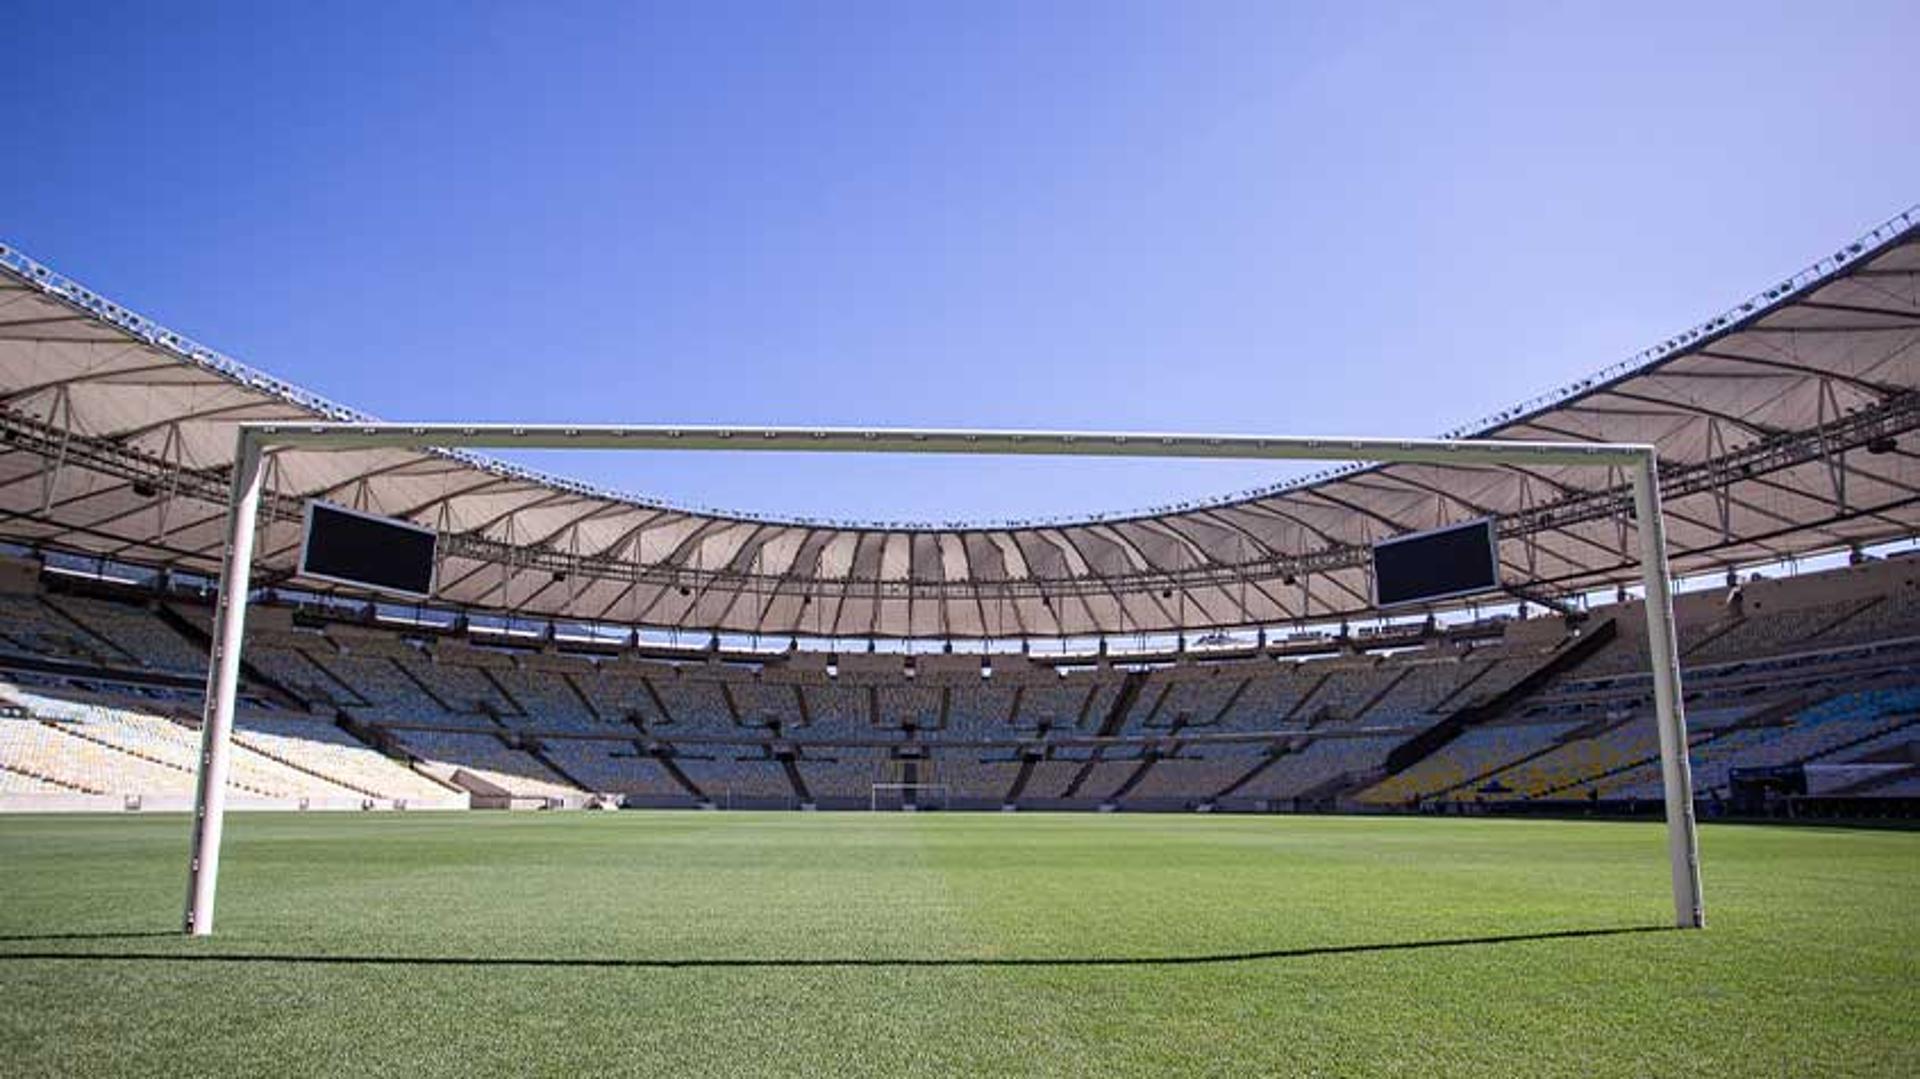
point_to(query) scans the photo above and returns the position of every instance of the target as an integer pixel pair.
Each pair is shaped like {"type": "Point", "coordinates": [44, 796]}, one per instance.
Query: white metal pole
{"type": "Point", "coordinates": [901, 440]}
{"type": "Point", "coordinates": [1683, 849]}
{"type": "Point", "coordinates": [223, 683]}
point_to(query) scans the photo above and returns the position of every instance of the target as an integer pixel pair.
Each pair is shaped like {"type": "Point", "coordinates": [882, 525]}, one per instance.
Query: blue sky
{"type": "Point", "coordinates": [1332, 218]}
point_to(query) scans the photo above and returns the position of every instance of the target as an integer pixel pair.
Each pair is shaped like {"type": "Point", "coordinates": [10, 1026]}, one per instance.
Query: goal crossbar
{"type": "Point", "coordinates": [252, 440]}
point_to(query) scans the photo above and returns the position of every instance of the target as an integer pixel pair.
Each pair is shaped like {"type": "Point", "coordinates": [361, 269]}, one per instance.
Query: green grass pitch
{"type": "Point", "coordinates": [735, 944]}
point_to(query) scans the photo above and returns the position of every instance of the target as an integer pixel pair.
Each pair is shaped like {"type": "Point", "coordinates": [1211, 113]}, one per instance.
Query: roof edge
{"type": "Point", "coordinates": [1883, 236]}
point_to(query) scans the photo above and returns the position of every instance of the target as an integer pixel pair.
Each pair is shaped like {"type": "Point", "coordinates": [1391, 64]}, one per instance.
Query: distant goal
{"type": "Point", "coordinates": [907, 796]}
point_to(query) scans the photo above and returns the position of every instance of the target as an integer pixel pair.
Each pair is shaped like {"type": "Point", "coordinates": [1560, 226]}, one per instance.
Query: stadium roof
{"type": "Point", "coordinates": [1779, 425]}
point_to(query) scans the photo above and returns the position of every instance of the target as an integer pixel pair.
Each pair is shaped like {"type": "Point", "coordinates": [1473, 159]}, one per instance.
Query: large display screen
{"type": "Point", "coordinates": [1458, 560]}
{"type": "Point", "coordinates": [349, 547]}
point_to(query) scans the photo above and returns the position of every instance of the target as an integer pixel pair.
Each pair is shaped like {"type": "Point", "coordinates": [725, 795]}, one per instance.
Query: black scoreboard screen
{"type": "Point", "coordinates": [353, 548]}
{"type": "Point", "coordinates": [1459, 560]}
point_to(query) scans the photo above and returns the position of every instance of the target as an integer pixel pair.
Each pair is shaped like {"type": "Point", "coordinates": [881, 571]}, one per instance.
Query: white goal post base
{"type": "Point", "coordinates": [253, 439]}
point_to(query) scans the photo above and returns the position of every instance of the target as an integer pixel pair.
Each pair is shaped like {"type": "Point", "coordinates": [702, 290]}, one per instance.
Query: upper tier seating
{"type": "Point", "coordinates": [29, 627]}
{"type": "Point", "coordinates": [1053, 703]}
{"type": "Point", "coordinates": [1272, 696]}
{"type": "Point", "coordinates": [764, 703]}
{"type": "Point", "coordinates": [619, 692]}
{"type": "Point", "coordinates": [546, 700]}
{"type": "Point", "coordinates": [460, 688]}
{"type": "Point", "coordinates": [838, 711]}
{"type": "Point", "coordinates": [903, 706]}
{"type": "Point", "coordinates": [1772, 634]}
{"type": "Point", "coordinates": [979, 711]}
{"type": "Point", "coordinates": [1195, 702]}
{"type": "Point", "coordinates": [380, 681]}
{"type": "Point", "coordinates": [292, 668]}
{"type": "Point", "coordinates": [694, 704]}
{"type": "Point", "coordinates": [135, 631]}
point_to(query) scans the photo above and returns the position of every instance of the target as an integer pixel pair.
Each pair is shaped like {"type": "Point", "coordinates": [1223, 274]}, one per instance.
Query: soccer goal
{"type": "Point", "coordinates": [907, 796]}
{"type": "Point", "coordinates": [727, 798]}
{"type": "Point", "coordinates": [253, 440]}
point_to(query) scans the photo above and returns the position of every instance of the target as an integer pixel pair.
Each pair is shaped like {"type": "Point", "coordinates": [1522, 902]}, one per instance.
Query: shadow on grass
{"type": "Point", "coordinates": [776, 963]}
{"type": "Point", "coordinates": [37, 937]}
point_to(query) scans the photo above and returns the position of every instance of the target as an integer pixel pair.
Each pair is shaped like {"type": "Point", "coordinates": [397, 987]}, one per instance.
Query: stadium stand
{"type": "Point", "coordinates": [842, 776]}
{"type": "Point", "coordinates": [132, 632]}
{"type": "Point", "coordinates": [1820, 671]}
{"type": "Point", "coordinates": [1181, 782]}
{"type": "Point", "coordinates": [697, 705]}
{"type": "Point", "coordinates": [976, 711]}
{"type": "Point", "coordinates": [838, 711]}
{"type": "Point", "coordinates": [1304, 772]}
{"type": "Point", "coordinates": [325, 750]}
{"type": "Point", "coordinates": [762, 704]}
{"type": "Point", "coordinates": [503, 693]}
{"type": "Point", "coordinates": [545, 700]}
{"type": "Point", "coordinates": [733, 780]}
{"type": "Point", "coordinates": [1057, 704]}
{"type": "Point", "coordinates": [462, 756]}
{"type": "Point", "coordinates": [32, 628]}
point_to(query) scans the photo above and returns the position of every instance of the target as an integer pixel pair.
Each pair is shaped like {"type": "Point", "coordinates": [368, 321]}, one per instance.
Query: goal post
{"type": "Point", "coordinates": [252, 440]}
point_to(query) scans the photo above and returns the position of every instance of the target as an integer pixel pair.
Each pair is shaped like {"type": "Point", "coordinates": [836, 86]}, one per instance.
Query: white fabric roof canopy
{"type": "Point", "coordinates": [1772, 422]}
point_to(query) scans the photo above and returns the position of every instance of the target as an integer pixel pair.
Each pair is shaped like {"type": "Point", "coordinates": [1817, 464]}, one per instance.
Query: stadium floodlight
{"type": "Point", "coordinates": [1638, 460]}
